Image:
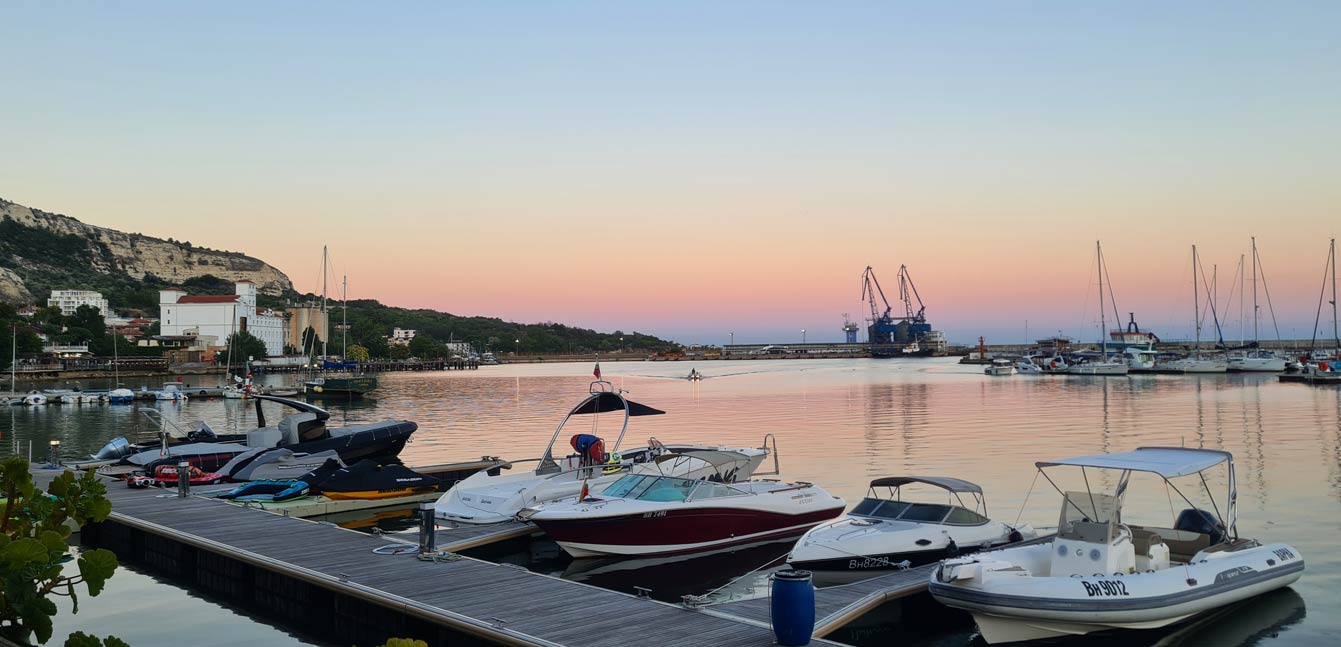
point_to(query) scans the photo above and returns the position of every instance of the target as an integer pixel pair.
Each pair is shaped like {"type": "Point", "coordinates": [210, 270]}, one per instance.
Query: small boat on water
{"type": "Point", "coordinates": [171, 391]}
{"type": "Point", "coordinates": [694, 375]}
{"type": "Point", "coordinates": [651, 511]}
{"type": "Point", "coordinates": [884, 533]}
{"type": "Point", "coordinates": [120, 396]}
{"type": "Point", "coordinates": [1026, 366]}
{"type": "Point", "coordinates": [1000, 367]}
{"type": "Point", "coordinates": [1099, 573]}
{"type": "Point", "coordinates": [484, 498]}
{"type": "Point", "coordinates": [1256, 360]}
{"type": "Point", "coordinates": [33, 399]}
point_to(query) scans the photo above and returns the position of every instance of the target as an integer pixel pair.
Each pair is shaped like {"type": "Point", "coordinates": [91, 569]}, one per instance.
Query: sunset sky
{"type": "Point", "coordinates": [689, 169]}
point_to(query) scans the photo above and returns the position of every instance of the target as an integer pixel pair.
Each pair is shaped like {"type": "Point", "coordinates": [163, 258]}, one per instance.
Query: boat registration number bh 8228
{"type": "Point", "coordinates": [1105, 588]}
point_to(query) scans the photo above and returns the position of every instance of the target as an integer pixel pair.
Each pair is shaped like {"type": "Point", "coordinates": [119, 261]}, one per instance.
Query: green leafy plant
{"type": "Point", "coordinates": [400, 642]}
{"type": "Point", "coordinates": [34, 528]}
{"type": "Point", "coordinates": [81, 639]}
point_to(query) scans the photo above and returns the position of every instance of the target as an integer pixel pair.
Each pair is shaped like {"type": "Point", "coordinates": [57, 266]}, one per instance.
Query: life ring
{"type": "Point", "coordinates": [1053, 364]}
{"type": "Point", "coordinates": [317, 389]}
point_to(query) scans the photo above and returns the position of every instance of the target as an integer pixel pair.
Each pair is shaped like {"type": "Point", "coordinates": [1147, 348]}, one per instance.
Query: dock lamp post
{"type": "Point", "coordinates": [516, 348]}
{"type": "Point", "coordinates": [54, 454]}
{"type": "Point", "coordinates": [621, 344]}
{"type": "Point", "coordinates": [803, 335]}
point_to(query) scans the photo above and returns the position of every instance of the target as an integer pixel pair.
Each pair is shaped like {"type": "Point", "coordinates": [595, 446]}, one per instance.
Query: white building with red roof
{"type": "Point", "coordinates": [219, 316]}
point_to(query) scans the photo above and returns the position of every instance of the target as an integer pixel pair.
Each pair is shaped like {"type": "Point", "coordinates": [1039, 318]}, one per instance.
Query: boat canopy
{"type": "Point", "coordinates": [1168, 462]}
{"type": "Point", "coordinates": [943, 482]}
{"type": "Point", "coordinates": [606, 401]}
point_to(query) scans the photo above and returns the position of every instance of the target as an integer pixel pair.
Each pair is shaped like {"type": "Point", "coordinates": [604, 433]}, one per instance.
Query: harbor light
{"type": "Point", "coordinates": [54, 453]}
{"type": "Point", "coordinates": [803, 335]}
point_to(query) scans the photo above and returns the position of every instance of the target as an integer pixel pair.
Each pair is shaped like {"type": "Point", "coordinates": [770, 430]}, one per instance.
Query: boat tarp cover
{"type": "Point", "coordinates": [943, 482]}
{"type": "Point", "coordinates": [368, 476]}
{"type": "Point", "coordinates": [1168, 462]}
{"type": "Point", "coordinates": [188, 449]}
{"type": "Point", "coordinates": [606, 402]}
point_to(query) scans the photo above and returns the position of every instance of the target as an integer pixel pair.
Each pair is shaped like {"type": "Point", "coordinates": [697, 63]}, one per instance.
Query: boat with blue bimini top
{"type": "Point", "coordinates": [885, 532]}
{"type": "Point", "coordinates": [1100, 573]}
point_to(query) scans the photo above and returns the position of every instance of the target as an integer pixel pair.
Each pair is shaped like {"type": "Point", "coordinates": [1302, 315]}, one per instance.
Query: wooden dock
{"type": "Point", "coordinates": [835, 606]}
{"type": "Point", "coordinates": [326, 581]}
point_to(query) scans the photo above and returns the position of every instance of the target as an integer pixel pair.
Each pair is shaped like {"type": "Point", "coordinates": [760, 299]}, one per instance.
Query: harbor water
{"type": "Point", "coordinates": [839, 424]}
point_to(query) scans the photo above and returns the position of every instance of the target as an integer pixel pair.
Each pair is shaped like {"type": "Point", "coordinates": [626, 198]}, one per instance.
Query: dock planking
{"type": "Point", "coordinates": [835, 606]}
{"type": "Point", "coordinates": [496, 602]}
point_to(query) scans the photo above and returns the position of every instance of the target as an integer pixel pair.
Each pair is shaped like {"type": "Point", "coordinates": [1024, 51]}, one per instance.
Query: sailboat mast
{"type": "Point", "coordinates": [344, 317]}
{"type": "Point", "coordinates": [1196, 299]}
{"type": "Point", "coordinates": [14, 356]}
{"type": "Point", "coordinates": [1255, 307]}
{"type": "Point", "coordinates": [323, 301]}
{"type": "Point", "coordinates": [1336, 339]}
{"type": "Point", "coordinates": [1103, 325]}
{"type": "Point", "coordinates": [1243, 278]}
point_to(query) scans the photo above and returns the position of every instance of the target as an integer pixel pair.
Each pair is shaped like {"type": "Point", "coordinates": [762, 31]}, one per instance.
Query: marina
{"type": "Point", "coordinates": [844, 613]}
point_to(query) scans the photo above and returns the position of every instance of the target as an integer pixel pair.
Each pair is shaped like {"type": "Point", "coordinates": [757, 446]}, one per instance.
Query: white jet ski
{"type": "Point", "coordinates": [1099, 573]}
{"type": "Point", "coordinates": [492, 497]}
{"type": "Point", "coordinates": [884, 533]}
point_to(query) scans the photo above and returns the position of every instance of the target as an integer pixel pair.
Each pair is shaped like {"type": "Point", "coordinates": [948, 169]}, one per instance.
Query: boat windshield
{"type": "Point", "coordinates": [665, 489]}
{"type": "Point", "coordinates": [917, 512]}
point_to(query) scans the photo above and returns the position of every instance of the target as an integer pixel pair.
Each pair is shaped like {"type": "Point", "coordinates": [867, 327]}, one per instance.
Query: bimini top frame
{"type": "Point", "coordinates": [603, 398]}
{"type": "Point", "coordinates": [1168, 463]}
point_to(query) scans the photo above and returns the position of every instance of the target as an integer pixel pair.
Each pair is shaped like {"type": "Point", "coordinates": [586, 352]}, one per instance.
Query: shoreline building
{"type": "Point", "coordinates": [219, 316]}
{"type": "Point", "coordinates": [401, 336]}
{"type": "Point", "coordinates": [70, 300]}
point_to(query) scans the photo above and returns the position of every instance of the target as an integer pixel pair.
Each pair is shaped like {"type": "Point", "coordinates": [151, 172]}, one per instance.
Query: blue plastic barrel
{"type": "Point", "coordinates": [793, 608]}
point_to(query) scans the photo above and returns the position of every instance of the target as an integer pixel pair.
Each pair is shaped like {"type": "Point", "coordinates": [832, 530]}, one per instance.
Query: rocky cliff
{"type": "Point", "coordinates": [111, 252]}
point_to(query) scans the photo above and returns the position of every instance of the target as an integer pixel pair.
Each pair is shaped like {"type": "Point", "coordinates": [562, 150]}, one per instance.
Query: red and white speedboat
{"type": "Point", "coordinates": [652, 511]}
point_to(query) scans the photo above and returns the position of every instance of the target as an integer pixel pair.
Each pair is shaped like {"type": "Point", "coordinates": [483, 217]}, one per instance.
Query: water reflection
{"type": "Point", "coordinates": [841, 423]}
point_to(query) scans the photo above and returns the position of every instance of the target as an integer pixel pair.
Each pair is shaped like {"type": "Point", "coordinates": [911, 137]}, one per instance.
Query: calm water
{"type": "Point", "coordinates": [840, 423]}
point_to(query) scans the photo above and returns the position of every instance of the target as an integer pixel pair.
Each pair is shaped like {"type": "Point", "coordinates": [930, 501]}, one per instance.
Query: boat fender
{"type": "Point", "coordinates": [951, 549]}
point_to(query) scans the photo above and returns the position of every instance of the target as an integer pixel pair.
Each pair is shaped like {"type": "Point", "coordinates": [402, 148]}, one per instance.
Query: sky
{"type": "Point", "coordinates": [691, 169]}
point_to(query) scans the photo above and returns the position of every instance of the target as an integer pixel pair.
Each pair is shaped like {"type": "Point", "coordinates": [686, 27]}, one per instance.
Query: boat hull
{"type": "Point", "coordinates": [677, 531]}
{"type": "Point", "coordinates": [334, 387]}
{"type": "Point", "coordinates": [1014, 607]}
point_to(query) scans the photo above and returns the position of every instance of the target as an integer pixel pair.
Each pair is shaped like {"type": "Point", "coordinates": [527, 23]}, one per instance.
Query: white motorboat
{"type": "Point", "coordinates": [1099, 573]}
{"type": "Point", "coordinates": [1000, 367]}
{"type": "Point", "coordinates": [171, 391]}
{"type": "Point", "coordinates": [651, 511]}
{"type": "Point", "coordinates": [884, 533]}
{"type": "Point", "coordinates": [485, 497]}
{"type": "Point", "coordinates": [33, 398]}
{"type": "Point", "coordinates": [1140, 359]}
{"type": "Point", "coordinates": [1026, 366]}
{"type": "Point", "coordinates": [1257, 360]}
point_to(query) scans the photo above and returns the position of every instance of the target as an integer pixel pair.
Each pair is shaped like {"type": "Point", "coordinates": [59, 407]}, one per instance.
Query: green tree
{"type": "Point", "coordinates": [33, 535]}
{"type": "Point", "coordinates": [81, 639]}
{"type": "Point", "coordinates": [423, 347]}
{"type": "Point", "coordinates": [398, 352]}
{"type": "Point", "coordinates": [243, 344]}
{"type": "Point", "coordinates": [357, 353]}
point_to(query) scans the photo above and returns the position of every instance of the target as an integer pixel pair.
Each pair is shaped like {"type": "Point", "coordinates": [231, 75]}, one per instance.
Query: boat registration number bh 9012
{"type": "Point", "coordinates": [1105, 588]}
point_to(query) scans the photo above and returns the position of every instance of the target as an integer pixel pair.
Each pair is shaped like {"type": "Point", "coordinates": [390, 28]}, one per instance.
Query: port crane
{"type": "Point", "coordinates": [891, 335]}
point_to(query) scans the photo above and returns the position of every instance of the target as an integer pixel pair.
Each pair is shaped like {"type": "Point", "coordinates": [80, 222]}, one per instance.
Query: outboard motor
{"type": "Point", "coordinates": [116, 449]}
{"type": "Point", "coordinates": [1201, 521]}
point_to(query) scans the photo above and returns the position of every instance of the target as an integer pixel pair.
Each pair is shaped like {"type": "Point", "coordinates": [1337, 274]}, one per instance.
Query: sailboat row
{"type": "Point", "coordinates": [1130, 349]}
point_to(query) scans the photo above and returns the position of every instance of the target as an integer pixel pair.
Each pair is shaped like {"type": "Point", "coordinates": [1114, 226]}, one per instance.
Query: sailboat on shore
{"type": "Point", "coordinates": [1102, 365]}
{"type": "Point", "coordinates": [1196, 361]}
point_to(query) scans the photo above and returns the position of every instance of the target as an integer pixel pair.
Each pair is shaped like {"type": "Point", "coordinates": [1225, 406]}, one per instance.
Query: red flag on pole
{"type": "Point", "coordinates": [597, 372]}
{"type": "Point", "coordinates": [583, 496]}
